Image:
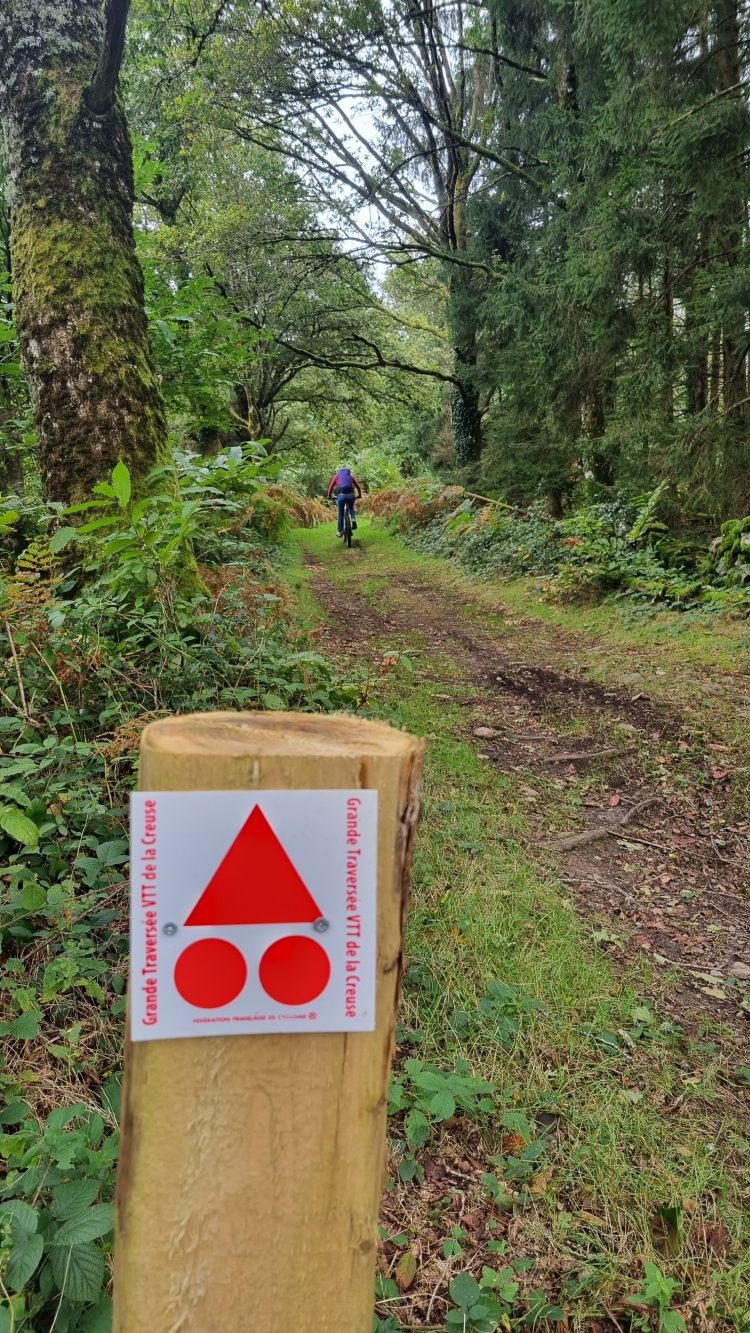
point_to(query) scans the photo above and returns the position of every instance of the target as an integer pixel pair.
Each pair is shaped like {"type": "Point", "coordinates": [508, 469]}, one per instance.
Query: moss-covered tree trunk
{"type": "Point", "coordinates": [466, 411]}
{"type": "Point", "coordinates": [77, 281]}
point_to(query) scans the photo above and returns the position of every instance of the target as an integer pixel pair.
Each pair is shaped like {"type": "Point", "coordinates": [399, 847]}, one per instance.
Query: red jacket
{"type": "Point", "coordinates": [335, 481]}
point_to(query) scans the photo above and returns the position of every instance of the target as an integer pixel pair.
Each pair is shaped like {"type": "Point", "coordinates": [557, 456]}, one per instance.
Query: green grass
{"type": "Point", "coordinates": [708, 640]}
{"type": "Point", "coordinates": [487, 908]}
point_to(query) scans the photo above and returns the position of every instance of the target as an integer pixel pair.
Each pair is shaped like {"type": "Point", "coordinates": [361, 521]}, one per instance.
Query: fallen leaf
{"type": "Point", "coordinates": [475, 1222]}
{"type": "Point", "coordinates": [719, 749]}
{"type": "Point", "coordinates": [406, 1270]}
{"type": "Point", "coordinates": [614, 800]}
{"type": "Point", "coordinates": [711, 1235]}
{"type": "Point", "coordinates": [432, 1169]}
{"type": "Point", "coordinates": [719, 774]}
{"type": "Point", "coordinates": [683, 746]}
{"type": "Point", "coordinates": [714, 991]}
{"type": "Point", "coordinates": [486, 732]}
{"type": "Point", "coordinates": [541, 1182]}
{"type": "Point", "coordinates": [592, 1220]}
{"type": "Point", "coordinates": [717, 1238]}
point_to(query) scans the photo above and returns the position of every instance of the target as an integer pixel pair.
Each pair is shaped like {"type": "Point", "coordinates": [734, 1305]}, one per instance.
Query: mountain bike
{"type": "Point", "coordinates": [348, 528]}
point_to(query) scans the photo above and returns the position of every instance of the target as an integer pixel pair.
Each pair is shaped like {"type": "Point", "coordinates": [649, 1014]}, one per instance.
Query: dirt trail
{"type": "Point", "coordinates": [674, 881]}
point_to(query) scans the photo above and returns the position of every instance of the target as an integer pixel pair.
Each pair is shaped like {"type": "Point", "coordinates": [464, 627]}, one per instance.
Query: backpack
{"type": "Point", "coordinates": [345, 479]}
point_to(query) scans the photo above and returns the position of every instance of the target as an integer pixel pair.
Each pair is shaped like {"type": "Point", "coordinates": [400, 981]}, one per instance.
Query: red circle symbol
{"type": "Point", "coordinates": [294, 970]}
{"type": "Point", "coordinates": [210, 973]}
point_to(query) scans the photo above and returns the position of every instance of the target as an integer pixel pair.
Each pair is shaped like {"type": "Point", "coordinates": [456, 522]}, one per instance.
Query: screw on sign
{"type": "Point", "coordinates": [266, 932]}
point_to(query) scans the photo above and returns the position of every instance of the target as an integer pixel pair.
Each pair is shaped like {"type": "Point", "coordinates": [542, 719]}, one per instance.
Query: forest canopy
{"type": "Point", "coordinates": [509, 237]}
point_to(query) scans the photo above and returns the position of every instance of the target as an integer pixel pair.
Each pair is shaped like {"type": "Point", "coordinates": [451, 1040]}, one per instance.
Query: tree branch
{"type": "Point", "coordinates": [101, 92]}
{"type": "Point", "coordinates": [537, 74]}
{"type": "Point", "coordinates": [380, 362]}
{"type": "Point", "coordinates": [206, 36]}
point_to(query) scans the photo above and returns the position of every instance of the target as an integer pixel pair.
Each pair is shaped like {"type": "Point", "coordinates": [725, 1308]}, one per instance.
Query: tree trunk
{"type": "Point", "coordinates": [242, 410]}
{"type": "Point", "coordinates": [668, 350]}
{"type": "Point", "coordinates": [734, 377]}
{"type": "Point", "coordinates": [696, 350]}
{"type": "Point", "coordinates": [714, 371]}
{"type": "Point", "coordinates": [77, 281]}
{"type": "Point", "coordinates": [733, 374]}
{"type": "Point", "coordinates": [696, 374]}
{"type": "Point", "coordinates": [566, 75]}
{"type": "Point", "coordinates": [466, 414]}
{"type": "Point", "coordinates": [594, 425]}
{"type": "Point", "coordinates": [593, 417]}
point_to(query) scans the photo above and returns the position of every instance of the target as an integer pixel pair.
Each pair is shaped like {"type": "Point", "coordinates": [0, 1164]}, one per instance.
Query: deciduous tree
{"type": "Point", "coordinates": [77, 282]}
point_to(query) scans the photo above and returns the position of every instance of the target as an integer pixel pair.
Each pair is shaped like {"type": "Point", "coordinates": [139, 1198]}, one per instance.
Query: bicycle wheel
{"type": "Point", "coordinates": [347, 527]}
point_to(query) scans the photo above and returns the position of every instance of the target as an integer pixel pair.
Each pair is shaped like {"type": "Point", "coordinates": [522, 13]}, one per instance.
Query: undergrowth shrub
{"type": "Point", "coordinates": [302, 510]}
{"type": "Point", "coordinates": [619, 547]}
{"type": "Point", "coordinates": [271, 512]}
{"type": "Point", "coordinates": [416, 506]}
{"type": "Point", "coordinates": [497, 539]}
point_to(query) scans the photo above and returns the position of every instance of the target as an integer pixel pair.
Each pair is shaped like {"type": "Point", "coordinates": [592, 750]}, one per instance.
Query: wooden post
{"type": "Point", "coordinates": [251, 1167]}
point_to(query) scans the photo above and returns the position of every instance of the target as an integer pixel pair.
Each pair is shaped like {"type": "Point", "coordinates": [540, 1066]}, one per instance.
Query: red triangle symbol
{"type": "Point", "coordinates": [256, 883]}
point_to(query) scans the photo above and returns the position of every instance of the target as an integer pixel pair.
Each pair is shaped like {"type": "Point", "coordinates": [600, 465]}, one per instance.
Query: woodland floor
{"type": "Point", "coordinates": [586, 838]}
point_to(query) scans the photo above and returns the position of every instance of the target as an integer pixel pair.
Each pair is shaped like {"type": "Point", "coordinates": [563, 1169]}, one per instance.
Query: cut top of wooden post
{"type": "Point", "coordinates": [294, 733]}
{"type": "Point", "coordinates": [273, 736]}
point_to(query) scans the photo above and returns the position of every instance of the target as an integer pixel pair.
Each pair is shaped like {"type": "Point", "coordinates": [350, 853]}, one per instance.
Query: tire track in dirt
{"type": "Point", "coordinates": [675, 883]}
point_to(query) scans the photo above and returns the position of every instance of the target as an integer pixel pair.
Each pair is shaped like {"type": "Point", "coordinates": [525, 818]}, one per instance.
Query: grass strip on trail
{"type": "Point", "coordinates": [604, 1138]}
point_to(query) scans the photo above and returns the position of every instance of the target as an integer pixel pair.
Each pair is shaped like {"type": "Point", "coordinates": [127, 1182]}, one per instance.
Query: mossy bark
{"type": "Point", "coordinates": [466, 411]}
{"type": "Point", "coordinates": [77, 281]}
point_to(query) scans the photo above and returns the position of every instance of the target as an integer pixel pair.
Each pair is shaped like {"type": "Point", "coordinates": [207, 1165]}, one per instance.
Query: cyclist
{"type": "Point", "coordinates": [347, 484]}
